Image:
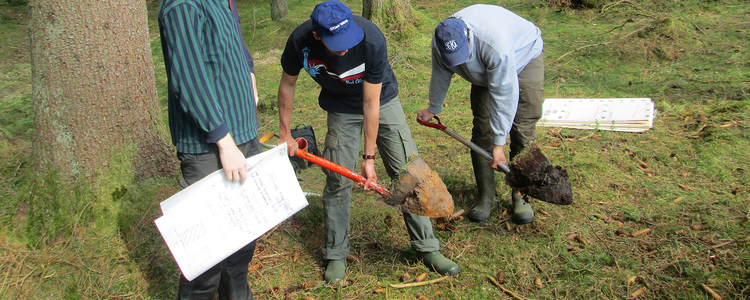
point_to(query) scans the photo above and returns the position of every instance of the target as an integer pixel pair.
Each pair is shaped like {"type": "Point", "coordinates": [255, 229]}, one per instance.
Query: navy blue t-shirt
{"type": "Point", "coordinates": [341, 77]}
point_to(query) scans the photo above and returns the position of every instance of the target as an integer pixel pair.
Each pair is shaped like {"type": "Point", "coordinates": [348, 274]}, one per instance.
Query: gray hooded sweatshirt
{"type": "Point", "coordinates": [501, 44]}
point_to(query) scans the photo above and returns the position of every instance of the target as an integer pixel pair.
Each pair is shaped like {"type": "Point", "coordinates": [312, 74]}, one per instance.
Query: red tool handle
{"type": "Point", "coordinates": [438, 125]}
{"type": "Point", "coordinates": [302, 143]}
{"type": "Point", "coordinates": [488, 156]}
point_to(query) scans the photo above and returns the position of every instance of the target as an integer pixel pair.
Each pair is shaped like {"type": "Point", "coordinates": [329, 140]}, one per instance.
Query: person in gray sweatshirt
{"type": "Point", "coordinates": [501, 54]}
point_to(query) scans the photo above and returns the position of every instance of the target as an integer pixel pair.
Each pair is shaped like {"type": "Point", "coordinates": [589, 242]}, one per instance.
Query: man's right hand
{"type": "Point", "coordinates": [425, 115]}
{"type": "Point", "coordinates": [291, 144]}
{"type": "Point", "coordinates": [232, 160]}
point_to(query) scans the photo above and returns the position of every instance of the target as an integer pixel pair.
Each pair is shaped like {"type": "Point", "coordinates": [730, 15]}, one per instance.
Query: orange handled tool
{"type": "Point", "coordinates": [302, 144]}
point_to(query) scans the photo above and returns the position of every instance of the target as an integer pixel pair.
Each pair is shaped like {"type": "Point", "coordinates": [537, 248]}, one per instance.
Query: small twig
{"type": "Point", "coordinates": [609, 251]}
{"type": "Point", "coordinates": [27, 276]}
{"type": "Point", "coordinates": [620, 26]}
{"type": "Point", "coordinates": [415, 284]}
{"type": "Point", "coordinates": [698, 28]}
{"type": "Point", "coordinates": [506, 291]}
{"type": "Point", "coordinates": [80, 266]}
{"type": "Point", "coordinates": [540, 269]}
{"type": "Point", "coordinates": [727, 244]}
{"type": "Point", "coordinates": [262, 257]}
{"type": "Point", "coordinates": [125, 296]}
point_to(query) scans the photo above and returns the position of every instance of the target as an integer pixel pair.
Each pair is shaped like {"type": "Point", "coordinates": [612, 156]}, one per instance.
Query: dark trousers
{"type": "Point", "coordinates": [229, 277]}
{"type": "Point", "coordinates": [530, 100]}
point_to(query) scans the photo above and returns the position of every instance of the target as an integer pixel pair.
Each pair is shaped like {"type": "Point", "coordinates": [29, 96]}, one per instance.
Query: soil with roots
{"type": "Point", "coordinates": [533, 175]}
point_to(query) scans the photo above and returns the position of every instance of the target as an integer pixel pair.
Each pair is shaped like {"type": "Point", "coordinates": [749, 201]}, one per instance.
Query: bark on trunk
{"type": "Point", "coordinates": [389, 13]}
{"type": "Point", "coordinates": [96, 115]}
{"type": "Point", "coordinates": [278, 9]}
{"type": "Point", "coordinates": [94, 89]}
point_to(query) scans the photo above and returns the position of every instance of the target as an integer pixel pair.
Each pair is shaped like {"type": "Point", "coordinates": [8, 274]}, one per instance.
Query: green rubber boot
{"type": "Point", "coordinates": [438, 263]}
{"type": "Point", "coordinates": [335, 270]}
{"type": "Point", "coordinates": [522, 212]}
{"type": "Point", "coordinates": [485, 177]}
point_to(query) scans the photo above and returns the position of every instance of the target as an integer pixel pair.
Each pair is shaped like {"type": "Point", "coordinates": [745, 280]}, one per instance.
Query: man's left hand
{"type": "Point", "coordinates": [498, 156]}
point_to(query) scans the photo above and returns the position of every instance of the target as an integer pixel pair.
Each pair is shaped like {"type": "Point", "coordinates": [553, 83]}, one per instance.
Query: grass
{"type": "Point", "coordinates": [657, 215]}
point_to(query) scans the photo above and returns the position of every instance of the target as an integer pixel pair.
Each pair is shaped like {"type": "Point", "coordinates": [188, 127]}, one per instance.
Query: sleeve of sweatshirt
{"type": "Point", "coordinates": [440, 80]}
{"type": "Point", "coordinates": [189, 76]}
{"type": "Point", "coordinates": [503, 86]}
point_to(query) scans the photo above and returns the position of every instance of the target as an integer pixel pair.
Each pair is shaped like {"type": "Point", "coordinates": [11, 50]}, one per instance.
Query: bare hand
{"type": "Point", "coordinates": [498, 156]}
{"type": "Point", "coordinates": [368, 171]}
{"type": "Point", "coordinates": [425, 115]}
{"type": "Point", "coordinates": [291, 144]}
{"type": "Point", "coordinates": [232, 160]}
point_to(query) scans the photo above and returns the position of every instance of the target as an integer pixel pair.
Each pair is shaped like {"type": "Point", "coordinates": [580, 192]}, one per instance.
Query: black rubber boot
{"type": "Point", "coordinates": [486, 202]}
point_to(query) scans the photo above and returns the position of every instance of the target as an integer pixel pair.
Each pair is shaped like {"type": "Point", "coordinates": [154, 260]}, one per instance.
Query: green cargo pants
{"type": "Point", "coordinates": [342, 145]}
{"type": "Point", "coordinates": [530, 100]}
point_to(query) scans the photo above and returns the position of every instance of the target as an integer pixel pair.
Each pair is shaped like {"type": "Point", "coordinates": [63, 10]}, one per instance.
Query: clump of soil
{"type": "Point", "coordinates": [419, 190]}
{"type": "Point", "coordinates": [532, 174]}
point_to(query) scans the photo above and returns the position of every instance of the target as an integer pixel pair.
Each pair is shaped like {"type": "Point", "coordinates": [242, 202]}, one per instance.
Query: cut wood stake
{"type": "Point", "coordinates": [506, 291]}
{"type": "Point", "coordinates": [415, 284]}
{"type": "Point", "coordinates": [711, 292]}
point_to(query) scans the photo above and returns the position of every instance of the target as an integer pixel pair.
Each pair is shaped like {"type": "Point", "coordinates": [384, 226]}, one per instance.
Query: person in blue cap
{"type": "Point", "coordinates": [500, 53]}
{"type": "Point", "coordinates": [347, 56]}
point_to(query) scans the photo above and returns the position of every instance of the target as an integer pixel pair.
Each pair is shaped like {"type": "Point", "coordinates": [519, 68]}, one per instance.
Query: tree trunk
{"type": "Point", "coordinates": [97, 120]}
{"type": "Point", "coordinates": [278, 10]}
{"type": "Point", "coordinates": [396, 15]}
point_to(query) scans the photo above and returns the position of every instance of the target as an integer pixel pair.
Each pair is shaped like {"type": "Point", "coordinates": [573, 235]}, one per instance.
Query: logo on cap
{"type": "Point", "coordinates": [332, 28]}
{"type": "Point", "coordinates": [451, 45]}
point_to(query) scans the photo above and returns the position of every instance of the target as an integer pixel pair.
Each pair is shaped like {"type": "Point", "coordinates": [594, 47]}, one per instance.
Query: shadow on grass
{"type": "Point", "coordinates": [140, 207]}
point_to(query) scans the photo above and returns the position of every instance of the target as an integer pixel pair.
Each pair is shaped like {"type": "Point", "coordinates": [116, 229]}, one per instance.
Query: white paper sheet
{"type": "Point", "coordinates": [617, 114]}
{"type": "Point", "coordinates": [213, 218]}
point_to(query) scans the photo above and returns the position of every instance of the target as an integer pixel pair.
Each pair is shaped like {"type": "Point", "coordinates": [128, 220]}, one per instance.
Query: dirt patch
{"type": "Point", "coordinates": [533, 175]}
{"type": "Point", "coordinates": [420, 191]}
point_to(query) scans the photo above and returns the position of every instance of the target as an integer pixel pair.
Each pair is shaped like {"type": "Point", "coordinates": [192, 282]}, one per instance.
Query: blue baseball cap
{"type": "Point", "coordinates": [333, 22]}
{"type": "Point", "coordinates": [451, 37]}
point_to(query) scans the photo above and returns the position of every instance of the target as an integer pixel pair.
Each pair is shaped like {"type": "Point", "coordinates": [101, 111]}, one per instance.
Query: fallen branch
{"type": "Point", "coordinates": [608, 6]}
{"type": "Point", "coordinates": [415, 284]}
{"type": "Point", "coordinates": [599, 44]}
{"type": "Point", "coordinates": [506, 291]}
{"type": "Point", "coordinates": [580, 48]}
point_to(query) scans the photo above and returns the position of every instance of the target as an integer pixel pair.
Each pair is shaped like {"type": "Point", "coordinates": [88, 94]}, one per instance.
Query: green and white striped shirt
{"type": "Point", "coordinates": [208, 69]}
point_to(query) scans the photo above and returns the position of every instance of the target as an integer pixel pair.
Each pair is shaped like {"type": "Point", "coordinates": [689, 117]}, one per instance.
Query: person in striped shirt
{"type": "Point", "coordinates": [212, 115]}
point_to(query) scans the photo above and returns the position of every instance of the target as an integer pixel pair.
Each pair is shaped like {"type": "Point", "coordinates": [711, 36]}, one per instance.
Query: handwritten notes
{"type": "Point", "coordinates": [213, 218]}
